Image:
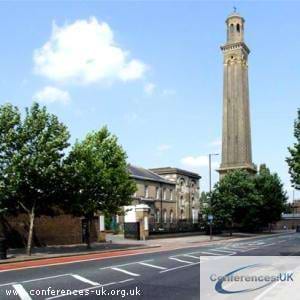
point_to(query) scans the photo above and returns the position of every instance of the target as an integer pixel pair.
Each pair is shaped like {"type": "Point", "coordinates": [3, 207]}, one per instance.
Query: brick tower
{"type": "Point", "coordinates": [236, 134]}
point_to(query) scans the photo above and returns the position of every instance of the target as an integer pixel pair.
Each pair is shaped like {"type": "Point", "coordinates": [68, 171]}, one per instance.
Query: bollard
{"type": "Point", "coordinates": [3, 248]}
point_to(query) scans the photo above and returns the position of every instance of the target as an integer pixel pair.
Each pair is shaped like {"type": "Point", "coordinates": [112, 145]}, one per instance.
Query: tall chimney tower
{"type": "Point", "coordinates": [236, 134]}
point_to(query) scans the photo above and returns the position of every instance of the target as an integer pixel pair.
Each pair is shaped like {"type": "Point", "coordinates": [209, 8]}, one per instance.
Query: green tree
{"type": "Point", "coordinates": [235, 200]}
{"type": "Point", "coordinates": [31, 161]}
{"type": "Point", "coordinates": [294, 159]}
{"type": "Point", "coordinates": [10, 121]}
{"type": "Point", "coordinates": [97, 178]}
{"type": "Point", "coordinates": [273, 195]}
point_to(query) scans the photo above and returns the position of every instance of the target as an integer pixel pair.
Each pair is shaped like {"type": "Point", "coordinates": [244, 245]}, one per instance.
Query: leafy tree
{"type": "Point", "coordinates": [248, 201]}
{"type": "Point", "coordinates": [273, 195]}
{"type": "Point", "coordinates": [235, 200]}
{"type": "Point", "coordinates": [31, 161]}
{"type": "Point", "coordinates": [97, 177]}
{"type": "Point", "coordinates": [294, 159]}
{"type": "Point", "coordinates": [9, 125]}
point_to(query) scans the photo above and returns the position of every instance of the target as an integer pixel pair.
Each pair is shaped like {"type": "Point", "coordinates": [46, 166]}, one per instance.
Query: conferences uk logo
{"type": "Point", "coordinates": [250, 282]}
{"type": "Point", "coordinates": [249, 277]}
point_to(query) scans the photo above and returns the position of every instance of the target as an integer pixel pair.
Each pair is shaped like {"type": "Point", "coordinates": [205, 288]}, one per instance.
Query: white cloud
{"type": "Point", "coordinates": [149, 88]}
{"type": "Point", "coordinates": [85, 52]}
{"type": "Point", "coordinates": [168, 92]}
{"type": "Point", "coordinates": [50, 94]}
{"type": "Point", "coordinates": [196, 162]}
{"type": "Point", "coordinates": [163, 147]}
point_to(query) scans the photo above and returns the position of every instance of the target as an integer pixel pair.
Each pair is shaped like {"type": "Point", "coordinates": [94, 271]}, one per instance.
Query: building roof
{"type": "Point", "coordinates": [170, 170]}
{"type": "Point", "coordinates": [145, 174]}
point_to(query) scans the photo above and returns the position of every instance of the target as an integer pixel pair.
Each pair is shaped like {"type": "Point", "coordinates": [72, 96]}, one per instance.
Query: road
{"type": "Point", "coordinates": [172, 274]}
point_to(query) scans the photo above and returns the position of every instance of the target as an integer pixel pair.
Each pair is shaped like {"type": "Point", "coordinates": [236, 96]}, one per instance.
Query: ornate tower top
{"type": "Point", "coordinates": [235, 28]}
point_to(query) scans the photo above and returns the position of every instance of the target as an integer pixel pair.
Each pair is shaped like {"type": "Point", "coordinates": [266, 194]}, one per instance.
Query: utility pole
{"type": "Point", "coordinates": [209, 165]}
{"type": "Point", "coordinates": [210, 216]}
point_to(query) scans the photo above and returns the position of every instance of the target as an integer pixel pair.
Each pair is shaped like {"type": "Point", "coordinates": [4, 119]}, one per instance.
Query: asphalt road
{"type": "Point", "coordinates": [162, 275]}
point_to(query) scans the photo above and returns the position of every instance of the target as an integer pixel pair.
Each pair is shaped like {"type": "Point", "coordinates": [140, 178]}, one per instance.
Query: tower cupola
{"type": "Point", "coordinates": [235, 28]}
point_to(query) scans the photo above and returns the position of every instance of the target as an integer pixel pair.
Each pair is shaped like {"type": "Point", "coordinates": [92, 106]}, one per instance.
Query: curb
{"type": "Point", "coordinates": [29, 259]}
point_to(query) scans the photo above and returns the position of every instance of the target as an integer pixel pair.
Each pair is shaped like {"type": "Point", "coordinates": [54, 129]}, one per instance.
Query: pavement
{"type": "Point", "coordinates": [157, 273]}
{"type": "Point", "coordinates": [115, 243]}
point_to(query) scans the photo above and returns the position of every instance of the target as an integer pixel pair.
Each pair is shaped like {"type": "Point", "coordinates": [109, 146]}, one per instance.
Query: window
{"type": "Point", "coordinates": [171, 194]}
{"type": "Point", "coordinates": [157, 192]}
{"type": "Point", "coordinates": [157, 216]}
{"type": "Point", "coordinates": [238, 27]}
{"type": "Point", "coordinates": [165, 216]}
{"type": "Point", "coordinates": [146, 192]}
{"type": "Point", "coordinates": [231, 27]}
{"type": "Point", "coordinates": [171, 216]}
{"type": "Point", "coordinates": [165, 194]}
{"type": "Point", "coordinates": [182, 214]}
{"type": "Point", "coordinates": [194, 215]}
{"type": "Point", "coordinates": [181, 184]}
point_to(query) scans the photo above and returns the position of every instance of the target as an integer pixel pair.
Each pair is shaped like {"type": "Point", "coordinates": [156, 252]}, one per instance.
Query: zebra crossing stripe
{"type": "Point", "coordinates": [21, 292]}
{"type": "Point", "coordinates": [125, 271]}
{"type": "Point", "coordinates": [152, 266]}
{"type": "Point", "coordinates": [85, 280]}
{"type": "Point", "coordinates": [181, 260]}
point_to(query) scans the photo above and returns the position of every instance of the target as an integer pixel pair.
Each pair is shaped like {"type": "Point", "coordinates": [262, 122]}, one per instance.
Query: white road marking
{"type": "Point", "coordinates": [180, 267]}
{"type": "Point", "coordinates": [152, 266]}
{"type": "Point", "coordinates": [125, 271]}
{"type": "Point", "coordinates": [224, 251]}
{"type": "Point", "coordinates": [36, 279]}
{"type": "Point", "coordinates": [128, 264]}
{"type": "Point", "coordinates": [181, 260]}
{"type": "Point", "coordinates": [21, 292]}
{"type": "Point", "coordinates": [9, 283]}
{"type": "Point", "coordinates": [44, 278]}
{"type": "Point", "coordinates": [210, 253]}
{"type": "Point", "coordinates": [192, 256]}
{"type": "Point", "coordinates": [83, 279]}
{"type": "Point", "coordinates": [126, 280]}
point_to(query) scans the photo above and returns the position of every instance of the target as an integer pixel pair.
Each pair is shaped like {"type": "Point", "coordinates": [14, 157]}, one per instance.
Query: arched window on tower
{"type": "Point", "coordinates": [238, 27]}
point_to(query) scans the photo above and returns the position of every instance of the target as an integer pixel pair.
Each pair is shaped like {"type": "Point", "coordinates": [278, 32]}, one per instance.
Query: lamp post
{"type": "Point", "coordinates": [210, 217]}
{"type": "Point", "coordinates": [209, 164]}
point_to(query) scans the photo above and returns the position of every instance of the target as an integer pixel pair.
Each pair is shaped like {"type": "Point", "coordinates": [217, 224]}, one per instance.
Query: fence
{"type": "Point", "coordinates": [174, 226]}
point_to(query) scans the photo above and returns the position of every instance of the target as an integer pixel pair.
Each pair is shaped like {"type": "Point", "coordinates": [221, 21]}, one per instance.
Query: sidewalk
{"type": "Point", "coordinates": [18, 255]}
{"type": "Point", "coordinates": [117, 244]}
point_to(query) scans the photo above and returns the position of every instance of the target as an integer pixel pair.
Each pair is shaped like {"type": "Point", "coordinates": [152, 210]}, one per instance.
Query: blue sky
{"type": "Point", "coordinates": [152, 72]}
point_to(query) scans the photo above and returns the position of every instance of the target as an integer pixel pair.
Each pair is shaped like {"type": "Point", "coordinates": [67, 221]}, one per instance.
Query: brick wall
{"type": "Point", "coordinates": [58, 230]}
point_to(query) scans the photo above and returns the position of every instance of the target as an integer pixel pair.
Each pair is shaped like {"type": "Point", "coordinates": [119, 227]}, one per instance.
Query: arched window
{"type": "Point", "coordinates": [171, 216]}
{"type": "Point", "coordinates": [181, 183]}
{"type": "Point", "coordinates": [238, 27]}
{"type": "Point", "coordinates": [165, 216]}
{"type": "Point", "coordinates": [181, 214]}
{"type": "Point", "coordinates": [157, 216]}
